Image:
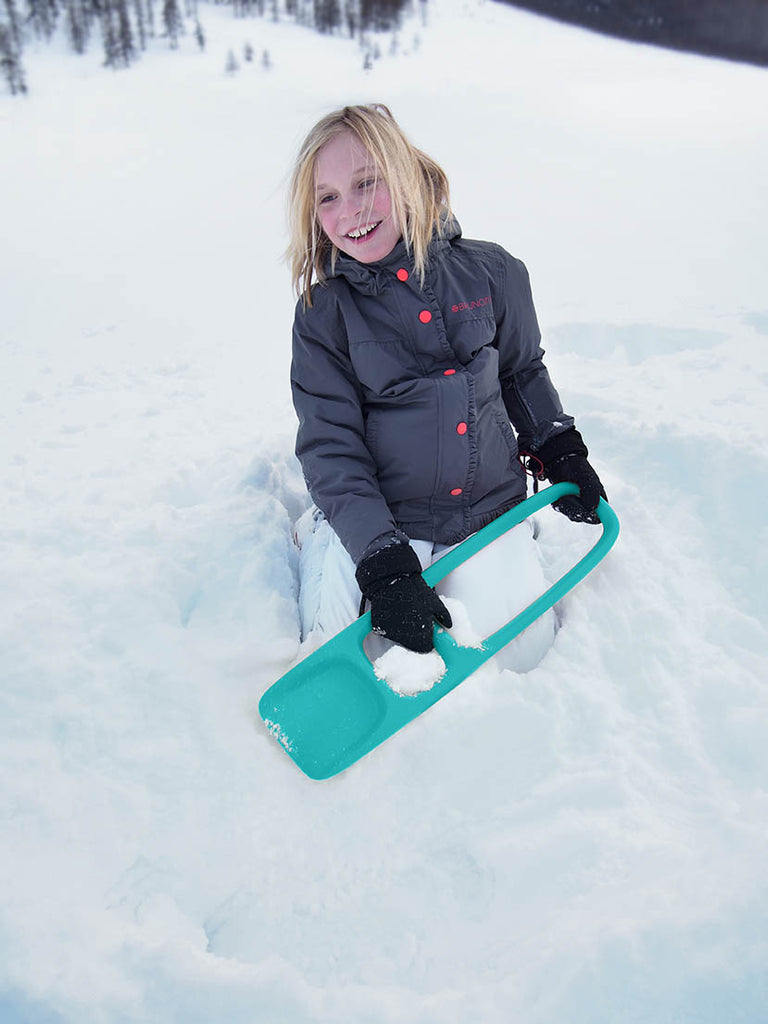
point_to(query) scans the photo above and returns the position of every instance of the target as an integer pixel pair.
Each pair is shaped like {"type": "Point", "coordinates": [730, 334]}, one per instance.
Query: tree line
{"type": "Point", "coordinates": [125, 27]}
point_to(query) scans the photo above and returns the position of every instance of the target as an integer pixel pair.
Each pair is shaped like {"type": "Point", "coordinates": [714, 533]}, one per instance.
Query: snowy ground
{"type": "Point", "coordinates": [584, 844]}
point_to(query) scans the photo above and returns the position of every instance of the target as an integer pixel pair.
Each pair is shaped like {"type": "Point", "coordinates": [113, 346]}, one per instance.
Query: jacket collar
{"type": "Point", "coordinates": [370, 278]}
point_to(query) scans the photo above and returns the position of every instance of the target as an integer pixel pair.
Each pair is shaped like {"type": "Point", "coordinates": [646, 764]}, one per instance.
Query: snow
{"type": "Point", "coordinates": [585, 842]}
{"type": "Point", "coordinates": [462, 630]}
{"type": "Point", "coordinates": [407, 672]}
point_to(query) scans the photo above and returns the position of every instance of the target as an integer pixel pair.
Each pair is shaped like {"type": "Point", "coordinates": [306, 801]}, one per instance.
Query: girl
{"type": "Point", "coordinates": [413, 349]}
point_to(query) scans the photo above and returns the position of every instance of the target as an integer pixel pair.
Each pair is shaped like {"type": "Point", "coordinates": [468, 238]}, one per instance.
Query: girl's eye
{"type": "Point", "coordinates": [326, 199]}
{"type": "Point", "coordinates": [367, 183]}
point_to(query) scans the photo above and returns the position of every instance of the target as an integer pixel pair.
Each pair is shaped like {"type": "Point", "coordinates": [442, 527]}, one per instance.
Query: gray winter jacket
{"type": "Point", "coordinates": [405, 394]}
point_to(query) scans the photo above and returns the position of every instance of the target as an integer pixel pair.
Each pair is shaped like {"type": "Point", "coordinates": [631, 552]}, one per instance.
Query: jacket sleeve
{"type": "Point", "coordinates": [330, 444]}
{"type": "Point", "coordinates": [533, 405]}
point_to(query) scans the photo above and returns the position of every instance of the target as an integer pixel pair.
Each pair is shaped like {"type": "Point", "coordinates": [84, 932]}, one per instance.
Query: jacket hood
{"type": "Point", "coordinates": [370, 277]}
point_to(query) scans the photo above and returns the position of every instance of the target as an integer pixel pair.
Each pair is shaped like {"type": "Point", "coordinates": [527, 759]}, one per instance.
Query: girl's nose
{"type": "Point", "coordinates": [351, 205]}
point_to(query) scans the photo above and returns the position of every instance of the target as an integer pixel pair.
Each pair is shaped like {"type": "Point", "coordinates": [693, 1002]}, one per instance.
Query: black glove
{"type": "Point", "coordinates": [564, 459]}
{"type": "Point", "coordinates": [403, 606]}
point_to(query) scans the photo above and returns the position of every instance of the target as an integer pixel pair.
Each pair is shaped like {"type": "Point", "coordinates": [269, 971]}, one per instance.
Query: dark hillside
{"type": "Point", "coordinates": [734, 29]}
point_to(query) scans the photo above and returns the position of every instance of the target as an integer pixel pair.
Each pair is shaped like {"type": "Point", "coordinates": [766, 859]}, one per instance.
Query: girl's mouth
{"type": "Point", "coordinates": [363, 233]}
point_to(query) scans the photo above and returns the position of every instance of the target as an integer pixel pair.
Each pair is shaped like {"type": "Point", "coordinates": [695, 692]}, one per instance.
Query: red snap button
{"type": "Point", "coordinates": [457, 490]}
{"type": "Point", "coordinates": [402, 274]}
{"type": "Point", "coordinates": [425, 316]}
{"type": "Point", "coordinates": [461, 428]}
{"type": "Point", "coordinates": [448, 373]}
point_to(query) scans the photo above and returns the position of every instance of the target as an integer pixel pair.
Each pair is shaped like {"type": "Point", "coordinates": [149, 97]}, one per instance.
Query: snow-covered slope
{"type": "Point", "coordinates": [582, 844]}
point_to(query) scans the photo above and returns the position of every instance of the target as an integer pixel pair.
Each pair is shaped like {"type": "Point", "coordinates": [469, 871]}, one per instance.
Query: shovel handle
{"type": "Point", "coordinates": [469, 547]}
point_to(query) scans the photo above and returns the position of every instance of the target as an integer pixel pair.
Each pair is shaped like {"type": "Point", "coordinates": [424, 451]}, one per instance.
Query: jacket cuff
{"type": "Point", "coordinates": [569, 442]}
{"type": "Point", "coordinates": [384, 540]}
{"type": "Point", "coordinates": [388, 563]}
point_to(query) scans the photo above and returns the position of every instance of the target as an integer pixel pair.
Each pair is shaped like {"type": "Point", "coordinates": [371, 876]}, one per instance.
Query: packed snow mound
{"type": "Point", "coordinates": [408, 672]}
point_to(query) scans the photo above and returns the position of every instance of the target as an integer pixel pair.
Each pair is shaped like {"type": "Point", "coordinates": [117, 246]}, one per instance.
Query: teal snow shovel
{"type": "Point", "coordinates": [331, 709]}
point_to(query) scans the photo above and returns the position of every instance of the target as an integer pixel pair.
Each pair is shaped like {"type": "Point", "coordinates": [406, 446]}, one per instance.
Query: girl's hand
{"type": "Point", "coordinates": [564, 458]}
{"type": "Point", "coordinates": [403, 607]}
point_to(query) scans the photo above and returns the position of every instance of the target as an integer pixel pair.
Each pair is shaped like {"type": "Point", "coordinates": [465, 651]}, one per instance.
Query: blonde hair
{"type": "Point", "coordinates": [418, 187]}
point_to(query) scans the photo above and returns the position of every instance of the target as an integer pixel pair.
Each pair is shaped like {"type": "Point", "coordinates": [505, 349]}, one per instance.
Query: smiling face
{"type": "Point", "coordinates": [354, 206]}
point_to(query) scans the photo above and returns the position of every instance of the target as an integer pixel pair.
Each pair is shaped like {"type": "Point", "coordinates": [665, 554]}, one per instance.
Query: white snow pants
{"type": "Point", "coordinates": [493, 586]}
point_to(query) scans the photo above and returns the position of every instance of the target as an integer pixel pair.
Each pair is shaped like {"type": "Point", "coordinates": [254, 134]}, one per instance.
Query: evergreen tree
{"type": "Point", "coordinates": [173, 22]}
{"type": "Point", "coordinates": [327, 15]}
{"type": "Point", "coordinates": [42, 16]}
{"type": "Point", "coordinates": [125, 44]}
{"type": "Point", "coordinates": [78, 25]}
{"type": "Point", "coordinates": [117, 34]}
{"type": "Point", "coordinates": [12, 27]}
{"type": "Point", "coordinates": [138, 13]}
{"type": "Point", "coordinates": [10, 61]}
{"type": "Point", "coordinates": [109, 36]}
{"type": "Point", "coordinates": [150, 17]}
{"type": "Point", "coordinates": [352, 16]}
